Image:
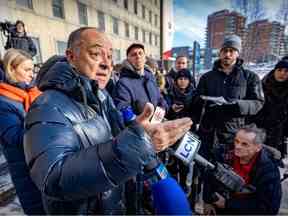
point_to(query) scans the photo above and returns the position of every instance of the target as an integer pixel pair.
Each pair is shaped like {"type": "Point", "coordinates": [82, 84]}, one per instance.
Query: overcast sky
{"type": "Point", "coordinates": [190, 18]}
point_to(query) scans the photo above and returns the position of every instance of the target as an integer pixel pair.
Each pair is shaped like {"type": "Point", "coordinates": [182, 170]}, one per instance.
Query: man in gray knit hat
{"type": "Point", "coordinates": [241, 93]}
{"type": "Point", "coordinates": [241, 90]}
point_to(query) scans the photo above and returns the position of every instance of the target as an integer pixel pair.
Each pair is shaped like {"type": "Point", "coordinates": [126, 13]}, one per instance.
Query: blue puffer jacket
{"type": "Point", "coordinates": [11, 139]}
{"type": "Point", "coordinates": [135, 90]}
{"type": "Point", "coordinates": [71, 147]}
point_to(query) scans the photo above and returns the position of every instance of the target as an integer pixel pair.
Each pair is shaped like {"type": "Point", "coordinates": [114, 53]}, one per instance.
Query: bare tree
{"type": "Point", "coordinates": [282, 14]}
{"type": "Point", "coordinates": [252, 9]}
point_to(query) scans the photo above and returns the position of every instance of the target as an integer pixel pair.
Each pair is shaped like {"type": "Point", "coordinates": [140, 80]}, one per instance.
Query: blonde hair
{"type": "Point", "coordinates": [12, 59]}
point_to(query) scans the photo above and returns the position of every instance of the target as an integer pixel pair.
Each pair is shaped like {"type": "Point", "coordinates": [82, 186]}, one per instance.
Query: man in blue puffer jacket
{"type": "Point", "coordinates": [77, 154]}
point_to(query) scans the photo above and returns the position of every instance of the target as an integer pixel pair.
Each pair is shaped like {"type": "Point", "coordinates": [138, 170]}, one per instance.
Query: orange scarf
{"type": "Point", "coordinates": [26, 97]}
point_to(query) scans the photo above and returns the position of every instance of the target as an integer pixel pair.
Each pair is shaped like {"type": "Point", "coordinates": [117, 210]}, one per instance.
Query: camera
{"type": "Point", "coordinates": [7, 28]}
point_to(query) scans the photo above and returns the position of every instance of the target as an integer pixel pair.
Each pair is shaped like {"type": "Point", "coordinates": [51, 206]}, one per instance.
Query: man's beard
{"type": "Point", "coordinates": [228, 62]}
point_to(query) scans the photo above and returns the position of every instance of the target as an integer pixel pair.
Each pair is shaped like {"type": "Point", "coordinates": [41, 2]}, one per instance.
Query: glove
{"type": "Point", "coordinates": [134, 148]}
{"type": "Point", "coordinates": [223, 111]}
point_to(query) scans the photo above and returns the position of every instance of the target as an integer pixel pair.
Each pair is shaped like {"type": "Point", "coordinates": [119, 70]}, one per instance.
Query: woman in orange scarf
{"type": "Point", "coordinates": [16, 95]}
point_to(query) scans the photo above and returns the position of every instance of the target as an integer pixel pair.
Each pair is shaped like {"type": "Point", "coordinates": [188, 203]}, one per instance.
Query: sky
{"type": "Point", "coordinates": [190, 18]}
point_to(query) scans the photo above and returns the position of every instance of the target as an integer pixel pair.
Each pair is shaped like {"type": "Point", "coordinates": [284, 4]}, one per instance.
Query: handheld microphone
{"type": "Point", "coordinates": [168, 196]}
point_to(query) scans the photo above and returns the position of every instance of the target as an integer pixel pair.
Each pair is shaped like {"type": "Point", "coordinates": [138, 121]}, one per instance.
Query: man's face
{"type": "Point", "coordinates": [136, 57]}
{"type": "Point", "coordinates": [228, 56]}
{"type": "Point", "coordinates": [281, 74]}
{"type": "Point", "coordinates": [181, 63]}
{"type": "Point", "coordinates": [245, 148]}
{"type": "Point", "coordinates": [92, 56]}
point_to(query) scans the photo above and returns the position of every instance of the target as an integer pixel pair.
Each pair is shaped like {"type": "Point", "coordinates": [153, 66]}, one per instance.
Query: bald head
{"type": "Point", "coordinates": [90, 52]}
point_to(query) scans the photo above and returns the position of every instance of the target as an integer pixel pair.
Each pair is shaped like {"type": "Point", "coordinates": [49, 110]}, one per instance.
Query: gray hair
{"type": "Point", "coordinates": [76, 35]}
{"type": "Point", "coordinates": [260, 134]}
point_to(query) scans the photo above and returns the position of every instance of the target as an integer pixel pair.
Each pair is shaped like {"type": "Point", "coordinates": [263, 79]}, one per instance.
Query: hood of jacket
{"type": "Point", "coordinates": [274, 88]}
{"type": "Point", "coordinates": [129, 71]}
{"type": "Point", "coordinates": [63, 77]}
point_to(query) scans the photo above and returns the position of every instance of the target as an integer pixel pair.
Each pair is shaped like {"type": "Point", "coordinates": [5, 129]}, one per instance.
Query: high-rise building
{"type": "Point", "coordinates": [219, 25]}
{"type": "Point", "coordinates": [124, 21]}
{"type": "Point", "coordinates": [264, 41]}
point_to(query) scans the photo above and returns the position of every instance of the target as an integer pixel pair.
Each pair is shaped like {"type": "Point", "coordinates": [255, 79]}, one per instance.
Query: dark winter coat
{"type": "Point", "coordinates": [11, 139]}
{"type": "Point", "coordinates": [175, 96]}
{"type": "Point", "coordinates": [265, 177]}
{"type": "Point", "coordinates": [70, 148]}
{"type": "Point", "coordinates": [135, 90]}
{"type": "Point", "coordinates": [241, 86]}
{"type": "Point", "coordinates": [273, 117]}
{"type": "Point", "coordinates": [21, 42]}
{"type": "Point", "coordinates": [2, 74]}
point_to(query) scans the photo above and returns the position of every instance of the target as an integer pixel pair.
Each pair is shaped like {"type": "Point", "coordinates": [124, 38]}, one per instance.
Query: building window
{"type": "Point", "coordinates": [156, 20]}
{"type": "Point", "coordinates": [150, 16]}
{"type": "Point", "coordinates": [58, 8]}
{"type": "Point", "coordinates": [82, 12]}
{"type": "Point", "coordinates": [115, 1]}
{"type": "Point", "coordinates": [127, 30]}
{"type": "Point", "coordinates": [61, 47]}
{"type": "Point", "coordinates": [126, 4]}
{"type": "Point", "coordinates": [116, 55]}
{"type": "Point", "coordinates": [156, 42]}
{"type": "Point", "coordinates": [143, 11]}
{"type": "Point", "coordinates": [38, 56]}
{"type": "Point", "coordinates": [155, 2]}
{"type": "Point", "coordinates": [150, 38]}
{"type": "Point", "coordinates": [115, 25]}
{"type": "Point", "coordinates": [135, 7]}
{"type": "Point", "coordinates": [136, 33]}
{"type": "Point", "coordinates": [101, 21]}
{"type": "Point", "coordinates": [143, 36]}
{"type": "Point", "coordinates": [25, 3]}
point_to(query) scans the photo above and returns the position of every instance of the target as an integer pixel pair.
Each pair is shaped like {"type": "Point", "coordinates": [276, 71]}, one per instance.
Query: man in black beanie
{"type": "Point", "coordinates": [273, 117]}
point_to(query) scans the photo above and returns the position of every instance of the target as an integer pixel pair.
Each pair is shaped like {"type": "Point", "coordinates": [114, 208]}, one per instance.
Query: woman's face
{"type": "Point", "coordinates": [281, 74]}
{"type": "Point", "coordinates": [24, 71]}
{"type": "Point", "coordinates": [182, 82]}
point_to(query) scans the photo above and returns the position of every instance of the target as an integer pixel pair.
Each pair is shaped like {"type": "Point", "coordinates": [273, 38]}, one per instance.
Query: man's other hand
{"type": "Point", "coordinates": [163, 134]}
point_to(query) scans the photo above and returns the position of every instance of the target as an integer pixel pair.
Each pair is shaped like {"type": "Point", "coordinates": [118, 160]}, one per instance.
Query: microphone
{"type": "Point", "coordinates": [168, 196]}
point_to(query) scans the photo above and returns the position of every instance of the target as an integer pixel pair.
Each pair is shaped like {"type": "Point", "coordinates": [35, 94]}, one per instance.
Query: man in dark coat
{"type": "Point", "coordinates": [240, 88]}
{"type": "Point", "coordinates": [137, 85]}
{"type": "Point", "coordinates": [18, 39]}
{"type": "Point", "coordinates": [273, 117]}
{"type": "Point", "coordinates": [77, 154]}
{"type": "Point", "coordinates": [257, 166]}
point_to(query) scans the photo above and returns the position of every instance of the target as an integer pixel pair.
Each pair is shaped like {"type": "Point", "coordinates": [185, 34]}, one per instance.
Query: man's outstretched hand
{"type": "Point", "coordinates": [163, 134]}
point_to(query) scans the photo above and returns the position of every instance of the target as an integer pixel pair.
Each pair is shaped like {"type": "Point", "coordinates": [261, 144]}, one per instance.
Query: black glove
{"type": "Point", "coordinates": [223, 111]}
{"type": "Point", "coordinates": [134, 148]}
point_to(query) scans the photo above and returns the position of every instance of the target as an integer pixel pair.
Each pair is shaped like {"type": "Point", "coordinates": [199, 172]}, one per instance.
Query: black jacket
{"type": "Point", "coordinates": [71, 147]}
{"type": "Point", "coordinates": [273, 117]}
{"type": "Point", "coordinates": [21, 42]}
{"type": "Point", "coordinates": [241, 86]}
{"type": "Point", "coordinates": [265, 177]}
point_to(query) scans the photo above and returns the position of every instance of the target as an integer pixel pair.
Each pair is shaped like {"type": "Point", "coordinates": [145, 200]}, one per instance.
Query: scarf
{"type": "Point", "coordinates": [26, 97]}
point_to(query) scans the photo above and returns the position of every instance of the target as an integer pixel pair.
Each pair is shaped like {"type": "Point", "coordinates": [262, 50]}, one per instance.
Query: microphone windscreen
{"type": "Point", "coordinates": [169, 198]}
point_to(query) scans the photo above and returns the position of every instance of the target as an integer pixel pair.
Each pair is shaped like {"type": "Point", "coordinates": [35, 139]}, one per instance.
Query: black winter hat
{"type": "Point", "coordinates": [134, 45]}
{"type": "Point", "coordinates": [183, 73]}
{"type": "Point", "coordinates": [283, 63]}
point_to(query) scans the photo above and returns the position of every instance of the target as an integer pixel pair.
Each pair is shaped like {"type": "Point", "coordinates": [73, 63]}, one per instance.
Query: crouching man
{"type": "Point", "coordinates": [258, 168]}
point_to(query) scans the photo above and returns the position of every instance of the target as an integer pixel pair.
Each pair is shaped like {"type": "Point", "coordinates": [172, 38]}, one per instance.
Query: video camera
{"type": "Point", "coordinates": [7, 28]}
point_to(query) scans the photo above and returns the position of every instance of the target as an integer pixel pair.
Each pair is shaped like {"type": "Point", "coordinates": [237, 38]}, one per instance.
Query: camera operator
{"type": "Point", "coordinates": [257, 166]}
{"type": "Point", "coordinates": [18, 39]}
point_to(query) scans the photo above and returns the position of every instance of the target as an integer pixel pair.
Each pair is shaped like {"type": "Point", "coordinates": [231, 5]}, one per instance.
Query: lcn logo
{"type": "Point", "coordinates": [187, 148]}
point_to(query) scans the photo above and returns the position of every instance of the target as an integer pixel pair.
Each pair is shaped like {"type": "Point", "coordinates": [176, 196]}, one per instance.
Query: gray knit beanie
{"type": "Point", "coordinates": [232, 41]}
